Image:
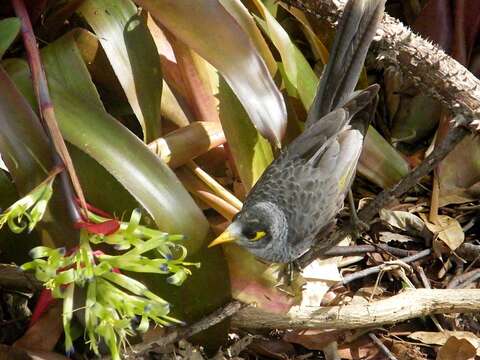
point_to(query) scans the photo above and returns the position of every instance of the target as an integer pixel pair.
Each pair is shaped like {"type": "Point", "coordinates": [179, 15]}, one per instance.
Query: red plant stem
{"type": "Point", "coordinates": [47, 113]}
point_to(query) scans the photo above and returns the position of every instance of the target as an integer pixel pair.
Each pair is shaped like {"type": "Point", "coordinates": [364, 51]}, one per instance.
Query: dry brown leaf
{"type": "Point", "coordinates": [272, 348]}
{"type": "Point", "coordinates": [459, 179]}
{"type": "Point", "coordinates": [358, 351]}
{"type": "Point", "coordinates": [387, 236]}
{"type": "Point", "coordinates": [15, 353]}
{"type": "Point", "coordinates": [402, 220]}
{"type": "Point", "coordinates": [320, 275]}
{"type": "Point", "coordinates": [44, 334]}
{"type": "Point", "coordinates": [369, 292]}
{"type": "Point", "coordinates": [189, 351]}
{"type": "Point", "coordinates": [315, 339]}
{"type": "Point", "coordinates": [430, 337]}
{"type": "Point", "coordinates": [406, 351]}
{"type": "Point", "coordinates": [441, 338]}
{"type": "Point", "coordinates": [457, 349]}
{"type": "Point", "coordinates": [330, 352]}
{"type": "Point", "coordinates": [447, 229]}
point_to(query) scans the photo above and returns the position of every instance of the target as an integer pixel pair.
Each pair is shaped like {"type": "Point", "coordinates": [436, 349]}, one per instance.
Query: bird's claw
{"type": "Point", "coordinates": [357, 225]}
{"type": "Point", "coordinates": [287, 276]}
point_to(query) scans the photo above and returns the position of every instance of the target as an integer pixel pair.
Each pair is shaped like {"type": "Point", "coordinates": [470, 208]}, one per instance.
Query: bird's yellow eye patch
{"type": "Point", "coordinates": [258, 235]}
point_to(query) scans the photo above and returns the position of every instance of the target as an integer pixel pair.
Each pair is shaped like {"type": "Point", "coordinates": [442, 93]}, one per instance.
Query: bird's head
{"type": "Point", "coordinates": [261, 228]}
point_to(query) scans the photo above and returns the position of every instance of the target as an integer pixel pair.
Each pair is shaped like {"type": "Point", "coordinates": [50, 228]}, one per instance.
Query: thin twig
{"type": "Point", "coordinates": [382, 347]}
{"type": "Point", "coordinates": [363, 249]}
{"type": "Point", "coordinates": [42, 94]}
{"type": "Point", "coordinates": [470, 280]}
{"type": "Point", "coordinates": [423, 277]}
{"type": "Point", "coordinates": [469, 251]}
{"type": "Point", "coordinates": [217, 188]}
{"type": "Point", "coordinates": [407, 305]}
{"type": "Point", "coordinates": [454, 136]}
{"type": "Point", "coordinates": [427, 285]}
{"type": "Point", "coordinates": [464, 279]}
{"type": "Point", "coordinates": [183, 333]}
{"type": "Point", "coordinates": [376, 269]}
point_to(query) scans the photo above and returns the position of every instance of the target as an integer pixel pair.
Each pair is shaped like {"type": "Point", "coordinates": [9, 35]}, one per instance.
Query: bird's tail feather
{"type": "Point", "coordinates": [364, 117]}
{"type": "Point", "coordinates": [361, 107]}
{"type": "Point", "coordinates": [360, 99]}
{"type": "Point", "coordinates": [355, 32]}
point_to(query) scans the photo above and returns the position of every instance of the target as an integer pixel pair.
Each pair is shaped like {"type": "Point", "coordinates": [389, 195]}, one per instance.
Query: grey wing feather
{"type": "Point", "coordinates": [311, 144]}
{"type": "Point", "coordinates": [355, 32]}
{"type": "Point", "coordinates": [314, 140]}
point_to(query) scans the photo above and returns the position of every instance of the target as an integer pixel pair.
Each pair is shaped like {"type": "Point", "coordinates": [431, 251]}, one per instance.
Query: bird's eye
{"type": "Point", "coordinates": [255, 235]}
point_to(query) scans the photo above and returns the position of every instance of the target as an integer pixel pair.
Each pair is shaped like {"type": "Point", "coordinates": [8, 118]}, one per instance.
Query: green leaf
{"type": "Point", "coordinates": [22, 139]}
{"type": "Point", "coordinates": [380, 162]}
{"type": "Point", "coordinates": [130, 48]}
{"type": "Point", "coordinates": [26, 152]}
{"type": "Point", "coordinates": [246, 21]}
{"type": "Point", "coordinates": [67, 316]}
{"type": "Point", "coordinates": [459, 179]}
{"type": "Point", "coordinates": [297, 70]}
{"type": "Point", "coordinates": [231, 52]}
{"type": "Point", "coordinates": [416, 119]}
{"type": "Point", "coordinates": [9, 29]}
{"type": "Point", "coordinates": [251, 152]}
{"type": "Point", "coordinates": [30, 209]}
{"type": "Point", "coordinates": [85, 124]}
{"type": "Point", "coordinates": [15, 247]}
{"type": "Point", "coordinates": [318, 48]}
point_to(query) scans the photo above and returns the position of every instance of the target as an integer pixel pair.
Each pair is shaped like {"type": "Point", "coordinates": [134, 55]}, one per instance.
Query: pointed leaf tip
{"type": "Point", "coordinates": [231, 52]}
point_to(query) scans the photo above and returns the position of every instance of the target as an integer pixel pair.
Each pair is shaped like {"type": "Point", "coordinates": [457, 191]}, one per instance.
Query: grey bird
{"type": "Point", "coordinates": [301, 192]}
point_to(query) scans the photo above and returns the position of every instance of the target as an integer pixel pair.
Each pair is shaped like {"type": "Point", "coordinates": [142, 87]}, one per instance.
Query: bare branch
{"type": "Point", "coordinates": [363, 249]}
{"type": "Point", "coordinates": [376, 269]}
{"type": "Point", "coordinates": [382, 347]}
{"type": "Point", "coordinates": [406, 305]}
{"type": "Point", "coordinates": [184, 333]}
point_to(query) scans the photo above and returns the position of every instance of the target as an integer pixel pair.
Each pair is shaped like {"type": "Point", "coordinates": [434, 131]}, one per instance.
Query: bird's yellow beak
{"type": "Point", "coordinates": [226, 236]}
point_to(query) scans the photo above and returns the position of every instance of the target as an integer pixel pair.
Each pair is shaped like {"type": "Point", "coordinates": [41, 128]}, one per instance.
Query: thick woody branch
{"type": "Point", "coordinates": [429, 67]}
{"type": "Point", "coordinates": [407, 305]}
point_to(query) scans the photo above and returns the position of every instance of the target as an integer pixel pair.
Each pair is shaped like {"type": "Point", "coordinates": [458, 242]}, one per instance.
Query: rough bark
{"type": "Point", "coordinates": [406, 305]}
{"type": "Point", "coordinates": [429, 67]}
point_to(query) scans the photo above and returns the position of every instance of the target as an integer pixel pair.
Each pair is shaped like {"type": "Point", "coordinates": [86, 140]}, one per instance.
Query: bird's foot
{"type": "Point", "coordinates": [357, 225]}
{"type": "Point", "coordinates": [287, 277]}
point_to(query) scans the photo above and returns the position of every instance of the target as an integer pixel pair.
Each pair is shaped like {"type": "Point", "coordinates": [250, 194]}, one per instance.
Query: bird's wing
{"type": "Point", "coordinates": [350, 142]}
{"type": "Point", "coordinates": [316, 139]}
{"type": "Point", "coordinates": [355, 32]}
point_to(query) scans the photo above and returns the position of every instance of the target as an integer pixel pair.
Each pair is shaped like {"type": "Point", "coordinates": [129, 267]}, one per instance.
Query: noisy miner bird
{"type": "Point", "coordinates": [301, 192]}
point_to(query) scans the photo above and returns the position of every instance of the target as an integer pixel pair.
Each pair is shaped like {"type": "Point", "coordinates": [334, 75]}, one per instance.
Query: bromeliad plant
{"type": "Point", "coordinates": [29, 210]}
{"type": "Point", "coordinates": [116, 305]}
